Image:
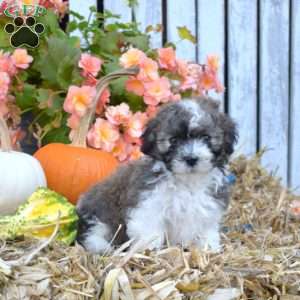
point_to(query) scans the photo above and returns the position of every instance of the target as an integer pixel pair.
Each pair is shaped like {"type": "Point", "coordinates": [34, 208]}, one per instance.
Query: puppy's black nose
{"type": "Point", "coordinates": [191, 161]}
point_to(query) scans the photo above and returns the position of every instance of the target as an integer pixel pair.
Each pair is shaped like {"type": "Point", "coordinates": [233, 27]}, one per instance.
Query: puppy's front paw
{"type": "Point", "coordinates": [155, 242]}
{"type": "Point", "coordinates": [211, 241]}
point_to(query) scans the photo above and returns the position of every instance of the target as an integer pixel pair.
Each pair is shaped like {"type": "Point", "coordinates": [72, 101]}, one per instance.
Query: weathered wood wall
{"type": "Point", "coordinates": [258, 42]}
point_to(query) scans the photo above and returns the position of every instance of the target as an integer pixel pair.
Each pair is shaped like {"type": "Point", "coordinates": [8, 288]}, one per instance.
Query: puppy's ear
{"type": "Point", "coordinates": [149, 138]}
{"type": "Point", "coordinates": [230, 134]}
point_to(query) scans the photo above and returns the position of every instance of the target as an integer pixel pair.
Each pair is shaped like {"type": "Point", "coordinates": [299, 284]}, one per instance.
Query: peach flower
{"type": "Point", "coordinates": [21, 59]}
{"type": "Point", "coordinates": [136, 124]}
{"type": "Point", "coordinates": [131, 140]}
{"type": "Point", "coordinates": [167, 58]}
{"type": "Point", "coordinates": [135, 86]}
{"type": "Point", "coordinates": [79, 99]}
{"type": "Point", "coordinates": [148, 70]}
{"type": "Point", "coordinates": [189, 83]}
{"type": "Point", "coordinates": [151, 111]}
{"type": "Point", "coordinates": [61, 6]}
{"type": "Point", "coordinates": [132, 58]}
{"type": "Point", "coordinates": [121, 150]}
{"type": "Point", "coordinates": [182, 67]}
{"type": "Point", "coordinates": [207, 81]}
{"type": "Point", "coordinates": [6, 64]}
{"type": "Point", "coordinates": [4, 84]}
{"type": "Point", "coordinates": [219, 87]}
{"type": "Point", "coordinates": [90, 64]}
{"type": "Point", "coordinates": [119, 114]}
{"type": "Point", "coordinates": [103, 135]}
{"type": "Point", "coordinates": [89, 79]}
{"type": "Point", "coordinates": [213, 62]}
{"type": "Point", "coordinates": [73, 121]}
{"type": "Point", "coordinates": [157, 91]}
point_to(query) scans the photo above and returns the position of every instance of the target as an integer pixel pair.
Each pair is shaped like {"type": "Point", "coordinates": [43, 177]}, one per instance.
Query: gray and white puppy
{"type": "Point", "coordinates": [177, 192]}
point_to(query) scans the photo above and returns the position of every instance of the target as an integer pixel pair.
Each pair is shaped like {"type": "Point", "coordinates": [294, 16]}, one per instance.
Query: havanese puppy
{"type": "Point", "coordinates": [176, 193]}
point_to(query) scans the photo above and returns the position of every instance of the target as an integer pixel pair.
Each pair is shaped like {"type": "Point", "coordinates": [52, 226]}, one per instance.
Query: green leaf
{"type": "Point", "coordinates": [110, 15]}
{"type": "Point", "coordinates": [72, 26]}
{"type": "Point", "coordinates": [149, 28]}
{"type": "Point", "coordinates": [43, 95]}
{"type": "Point", "coordinates": [26, 98]}
{"type": "Point", "coordinates": [109, 43]}
{"type": "Point", "coordinates": [170, 44]}
{"type": "Point", "coordinates": [46, 97]}
{"type": "Point", "coordinates": [57, 135]}
{"type": "Point", "coordinates": [132, 3]}
{"type": "Point", "coordinates": [83, 25]}
{"type": "Point", "coordinates": [50, 21]}
{"type": "Point", "coordinates": [4, 40]}
{"type": "Point", "coordinates": [141, 42]}
{"type": "Point", "coordinates": [76, 15]}
{"type": "Point", "coordinates": [185, 34]}
{"type": "Point", "coordinates": [58, 62]}
{"type": "Point", "coordinates": [111, 66]}
{"type": "Point", "coordinates": [135, 102]}
{"type": "Point", "coordinates": [67, 72]}
{"type": "Point", "coordinates": [93, 9]}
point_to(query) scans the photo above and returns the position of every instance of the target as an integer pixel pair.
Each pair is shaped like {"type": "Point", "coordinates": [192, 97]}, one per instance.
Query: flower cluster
{"type": "Point", "coordinates": [117, 129]}
{"type": "Point", "coordinates": [60, 7]}
{"type": "Point", "coordinates": [202, 78]}
{"type": "Point", "coordinates": [154, 88]}
{"type": "Point", "coordinates": [157, 89]}
{"type": "Point", "coordinates": [10, 66]}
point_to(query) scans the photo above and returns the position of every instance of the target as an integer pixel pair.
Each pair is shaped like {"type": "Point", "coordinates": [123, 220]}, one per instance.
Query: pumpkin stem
{"type": "Point", "coordinates": [4, 136]}
{"type": "Point", "coordinates": [80, 134]}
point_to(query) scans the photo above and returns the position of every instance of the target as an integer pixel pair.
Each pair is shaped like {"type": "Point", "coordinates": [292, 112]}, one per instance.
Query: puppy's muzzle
{"type": "Point", "coordinates": [191, 160]}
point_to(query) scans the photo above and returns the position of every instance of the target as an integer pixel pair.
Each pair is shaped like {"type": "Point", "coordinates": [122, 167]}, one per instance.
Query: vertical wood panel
{"type": "Point", "coordinates": [83, 10]}
{"type": "Point", "coordinates": [150, 13]}
{"type": "Point", "coordinates": [295, 98]}
{"type": "Point", "coordinates": [119, 7]}
{"type": "Point", "coordinates": [273, 85]}
{"type": "Point", "coordinates": [242, 71]}
{"type": "Point", "coordinates": [211, 33]}
{"type": "Point", "coordinates": [181, 13]}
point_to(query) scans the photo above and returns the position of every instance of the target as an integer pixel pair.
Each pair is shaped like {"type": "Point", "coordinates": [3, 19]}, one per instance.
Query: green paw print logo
{"type": "Point", "coordinates": [24, 32]}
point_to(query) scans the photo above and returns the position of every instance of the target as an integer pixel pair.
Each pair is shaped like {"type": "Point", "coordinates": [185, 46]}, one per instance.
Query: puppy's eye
{"type": "Point", "coordinates": [205, 138]}
{"type": "Point", "coordinates": [173, 140]}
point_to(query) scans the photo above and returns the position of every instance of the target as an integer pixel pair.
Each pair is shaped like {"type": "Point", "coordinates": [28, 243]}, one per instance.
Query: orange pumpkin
{"type": "Point", "coordinates": [72, 169]}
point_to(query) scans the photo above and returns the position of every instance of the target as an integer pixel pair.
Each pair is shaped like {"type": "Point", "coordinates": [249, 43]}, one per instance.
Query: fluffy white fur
{"type": "Point", "coordinates": [95, 239]}
{"type": "Point", "coordinates": [178, 210]}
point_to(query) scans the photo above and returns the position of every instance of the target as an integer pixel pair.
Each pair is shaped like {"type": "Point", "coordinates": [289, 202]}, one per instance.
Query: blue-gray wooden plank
{"type": "Point", "coordinates": [119, 7]}
{"type": "Point", "coordinates": [242, 71]}
{"type": "Point", "coordinates": [295, 98]}
{"type": "Point", "coordinates": [150, 13]}
{"type": "Point", "coordinates": [181, 13]}
{"type": "Point", "coordinates": [83, 10]}
{"type": "Point", "coordinates": [274, 84]}
{"type": "Point", "coordinates": [211, 34]}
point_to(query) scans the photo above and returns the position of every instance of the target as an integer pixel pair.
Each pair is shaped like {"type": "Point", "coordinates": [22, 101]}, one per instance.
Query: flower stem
{"type": "Point", "coordinates": [4, 136]}
{"type": "Point", "coordinates": [79, 138]}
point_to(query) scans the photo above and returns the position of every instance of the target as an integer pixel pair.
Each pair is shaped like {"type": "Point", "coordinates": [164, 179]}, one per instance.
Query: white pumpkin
{"type": "Point", "coordinates": [20, 174]}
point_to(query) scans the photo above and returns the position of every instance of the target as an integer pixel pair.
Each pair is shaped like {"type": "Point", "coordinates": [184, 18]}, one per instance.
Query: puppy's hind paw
{"type": "Point", "coordinates": [95, 238]}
